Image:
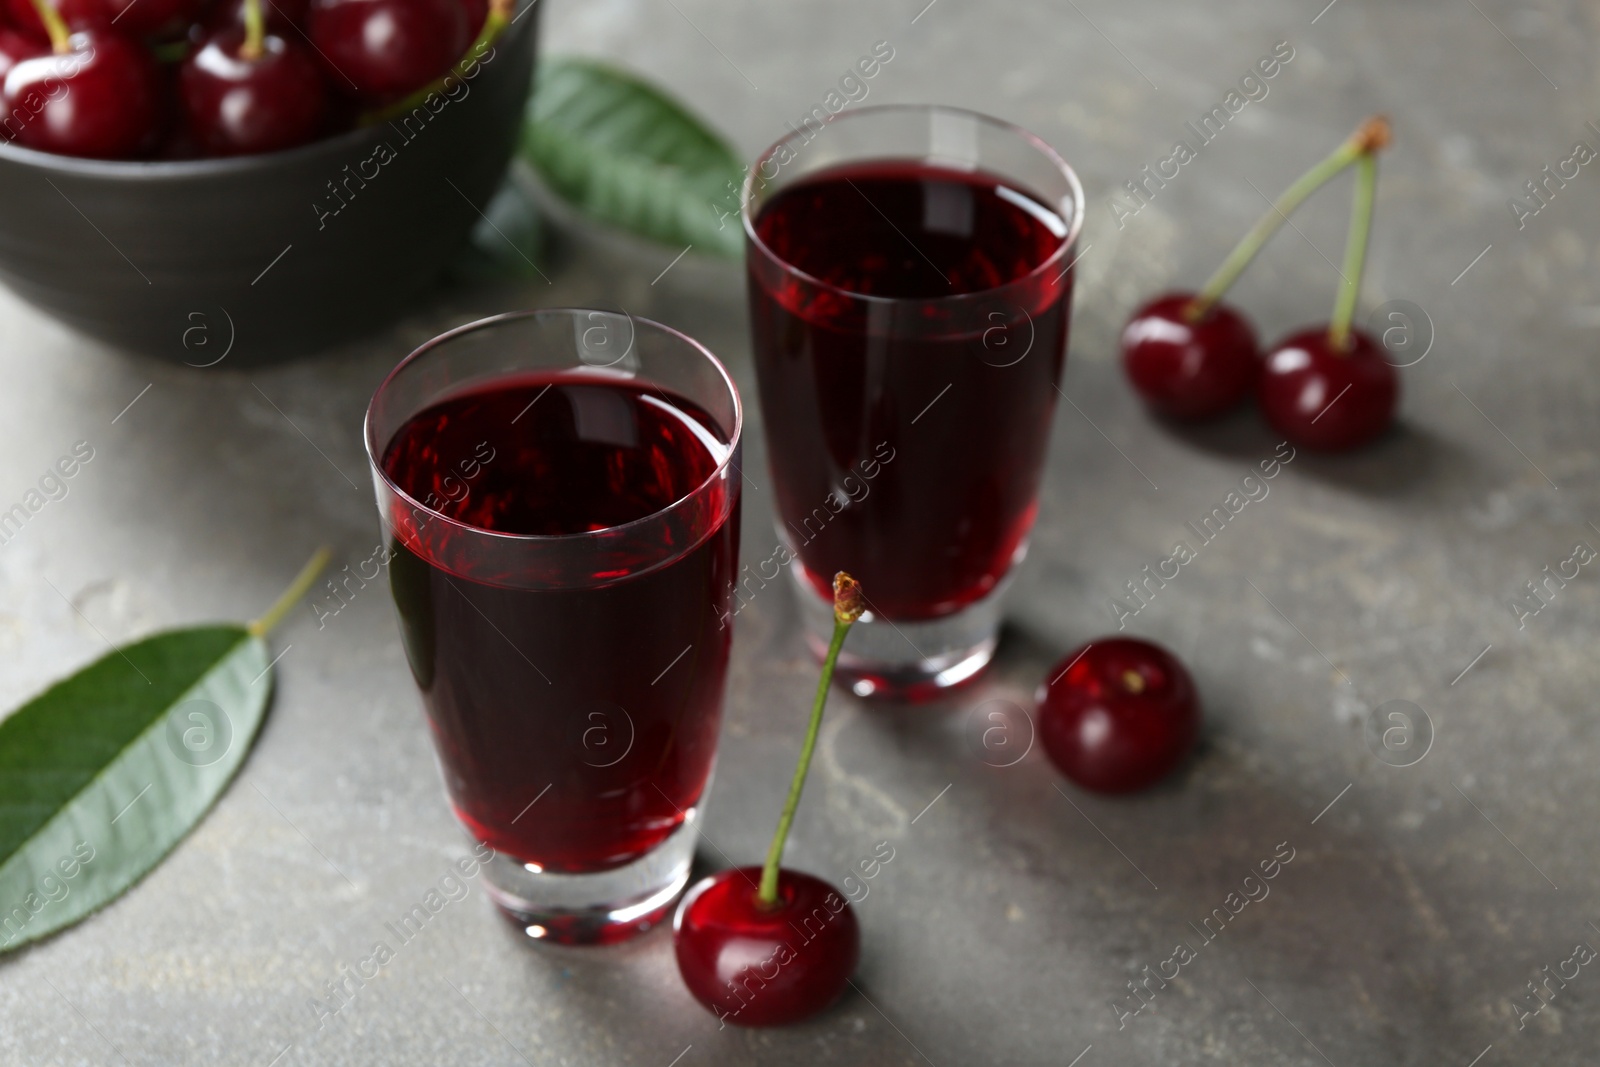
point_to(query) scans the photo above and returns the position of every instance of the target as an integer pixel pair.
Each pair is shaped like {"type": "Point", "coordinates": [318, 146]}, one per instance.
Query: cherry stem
{"type": "Point", "coordinates": [54, 25]}
{"type": "Point", "coordinates": [255, 31]}
{"type": "Point", "coordinates": [1371, 136]}
{"type": "Point", "coordinates": [1355, 253]}
{"type": "Point", "coordinates": [848, 604]}
{"type": "Point", "coordinates": [297, 589]}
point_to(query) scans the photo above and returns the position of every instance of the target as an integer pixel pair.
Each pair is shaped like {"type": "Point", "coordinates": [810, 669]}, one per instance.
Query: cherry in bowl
{"type": "Point", "coordinates": [1187, 360]}
{"type": "Point", "coordinates": [1118, 715]}
{"type": "Point", "coordinates": [385, 49]}
{"type": "Point", "coordinates": [245, 93]}
{"type": "Point", "coordinates": [98, 96]}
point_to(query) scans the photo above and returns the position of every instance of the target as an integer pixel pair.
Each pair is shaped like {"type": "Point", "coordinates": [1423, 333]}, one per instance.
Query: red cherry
{"type": "Point", "coordinates": [77, 14]}
{"type": "Point", "coordinates": [1118, 715]}
{"type": "Point", "coordinates": [15, 47]}
{"type": "Point", "coordinates": [237, 106]}
{"type": "Point", "coordinates": [387, 48]}
{"type": "Point", "coordinates": [755, 965]}
{"type": "Point", "coordinates": [1320, 398]}
{"type": "Point", "coordinates": [1189, 369]}
{"type": "Point", "coordinates": [100, 99]}
{"type": "Point", "coordinates": [477, 14]}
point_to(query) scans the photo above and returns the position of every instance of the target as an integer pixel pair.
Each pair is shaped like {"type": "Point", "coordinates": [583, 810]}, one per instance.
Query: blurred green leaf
{"type": "Point", "coordinates": [509, 240]}
{"type": "Point", "coordinates": [625, 154]}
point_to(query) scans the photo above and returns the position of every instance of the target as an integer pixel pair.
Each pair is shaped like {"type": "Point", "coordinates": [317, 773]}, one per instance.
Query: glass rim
{"type": "Point", "coordinates": [434, 514]}
{"type": "Point", "coordinates": [1039, 144]}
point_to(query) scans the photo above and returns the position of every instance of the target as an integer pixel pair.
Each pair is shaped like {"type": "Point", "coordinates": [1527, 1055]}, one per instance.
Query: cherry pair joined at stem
{"type": "Point", "coordinates": [1190, 356]}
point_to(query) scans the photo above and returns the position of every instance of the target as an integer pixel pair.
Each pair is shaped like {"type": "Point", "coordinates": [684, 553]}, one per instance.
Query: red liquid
{"type": "Point", "coordinates": [925, 493]}
{"type": "Point", "coordinates": [609, 693]}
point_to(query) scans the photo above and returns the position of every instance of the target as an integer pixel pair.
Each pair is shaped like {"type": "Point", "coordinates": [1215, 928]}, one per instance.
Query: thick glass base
{"type": "Point", "coordinates": [595, 909]}
{"type": "Point", "coordinates": [910, 662]}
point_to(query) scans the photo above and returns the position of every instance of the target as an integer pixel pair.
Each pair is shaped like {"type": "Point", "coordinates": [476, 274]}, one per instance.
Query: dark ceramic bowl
{"type": "Point", "coordinates": [270, 256]}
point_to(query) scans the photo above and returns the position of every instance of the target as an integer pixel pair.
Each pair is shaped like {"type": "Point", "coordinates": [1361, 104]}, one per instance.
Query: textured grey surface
{"type": "Point", "coordinates": [1405, 928]}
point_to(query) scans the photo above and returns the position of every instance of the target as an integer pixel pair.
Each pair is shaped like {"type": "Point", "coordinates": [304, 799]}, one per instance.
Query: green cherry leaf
{"type": "Point", "coordinates": [627, 155]}
{"type": "Point", "coordinates": [102, 774]}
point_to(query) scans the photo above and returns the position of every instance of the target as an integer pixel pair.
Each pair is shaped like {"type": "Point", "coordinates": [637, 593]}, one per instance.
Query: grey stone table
{"type": "Point", "coordinates": [1420, 900]}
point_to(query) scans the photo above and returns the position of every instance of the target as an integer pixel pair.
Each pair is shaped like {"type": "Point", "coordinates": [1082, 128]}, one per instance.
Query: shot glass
{"type": "Point", "coordinates": [559, 490]}
{"type": "Point", "coordinates": [910, 282]}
